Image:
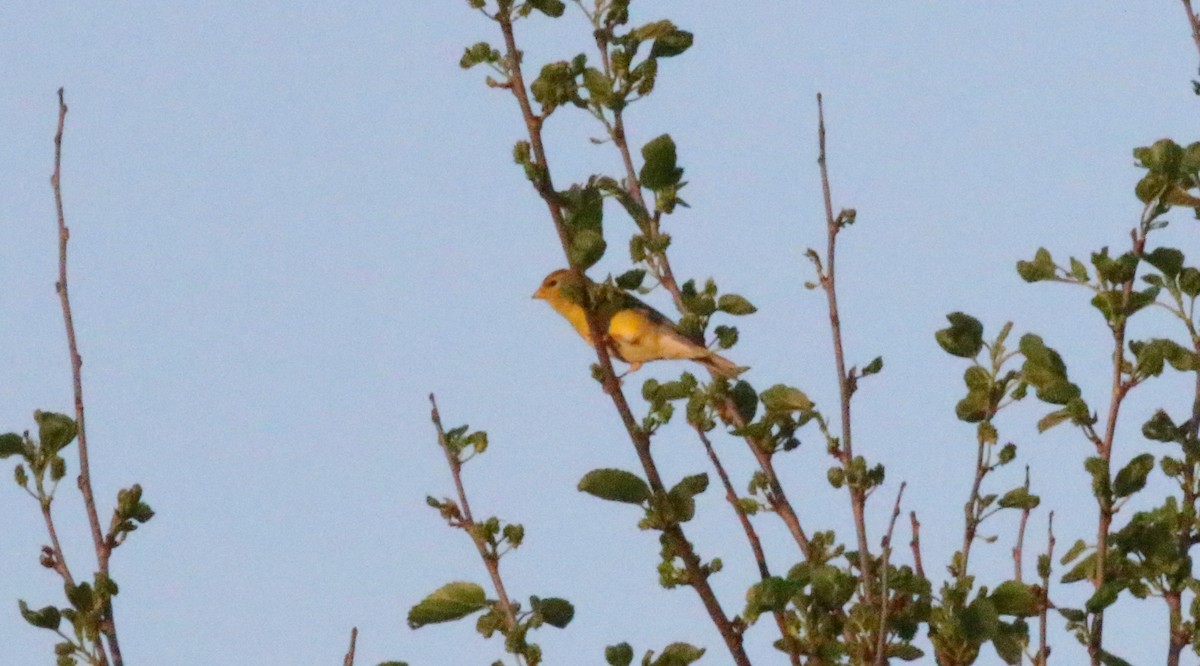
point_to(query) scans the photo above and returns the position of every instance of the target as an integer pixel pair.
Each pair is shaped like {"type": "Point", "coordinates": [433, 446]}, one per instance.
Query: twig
{"type": "Point", "coordinates": [760, 558]}
{"type": "Point", "coordinates": [885, 548]}
{"type": "Point", "coordinates": [349, 659]}
{"type": "Point", "coordinates": [1043, 653]}
{"type": "Point", "coordinates": [915, 544]}
{"type": "Point", "coordinates": [1018, 551]}
{"type": "Point", "coordinates": [828, 280]}
{"type": "Point", "coordinates": [1120, 388]}
{"type": "Point", "coordinates": [103, 548]}
{"type": "Point", "coordinates": [1194, 21]}
{"type": "Point", "coordinates": [467, 523]}
{"type": "Point", "coordinates": [673, 535]}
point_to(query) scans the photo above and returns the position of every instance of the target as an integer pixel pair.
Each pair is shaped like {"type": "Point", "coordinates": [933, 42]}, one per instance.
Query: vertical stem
{"type": "Point", "coordinates": [760, 557]}
{"type": "Point", "coordinates": [1120, 389]}
{"type": "Point", "coordinates": [349, 658]}
{"type": "Point", "coordinates": [885, 554]}
{"type": "Point", "coordinates": [1194, 21]}
{"type": "Point", "coordinates": [490, 561]}
{"type": "Point", "coordinates": [103, 548]}
{"type": "Point", "coordinates": [915, 544]}
{"type": "Point", "coordinates": [845, 389]}
{"type": "Point", "coordinates": [1043, 653]}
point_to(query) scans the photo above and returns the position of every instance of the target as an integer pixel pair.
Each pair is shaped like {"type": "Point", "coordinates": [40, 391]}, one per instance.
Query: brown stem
{"type": "Point", "coordinates": [103, 549]}
{"type": "Point", "coordinates": [1120, 388]}
{"type": "Point", "coordinates": [915, 544]}
{"type": "Point", "coordinates": [1043, 653]}
{"type": "Point", "coordinates": [1194, 21]}
{"type": "Point", "coordinates": [1018, 551]}
{"type": "Point", "coordinates": [760, 557]}
{"type": "Point", "coordinates": [673, 535]}
{"type": "Point", "coordinates": [467, 522]}
{"type": "Point", "coordinates": [828, 280]}
{"type": "Point", "coordinates": [56, 551]}
{"type": "Point", "coordinates": [349, 659]}
{"type": "Point", "coordinates": [885, 548]}
{"type": "Point", "coordinates": [971, 510]}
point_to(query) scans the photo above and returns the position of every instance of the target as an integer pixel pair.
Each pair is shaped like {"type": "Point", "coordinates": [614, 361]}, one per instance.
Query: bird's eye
{"type": "Point", "coordinates": [553, 283]}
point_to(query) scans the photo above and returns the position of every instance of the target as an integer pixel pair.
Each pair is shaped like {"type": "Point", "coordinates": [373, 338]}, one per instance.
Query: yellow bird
{"type": "Point", "coordinates": [637, 333]}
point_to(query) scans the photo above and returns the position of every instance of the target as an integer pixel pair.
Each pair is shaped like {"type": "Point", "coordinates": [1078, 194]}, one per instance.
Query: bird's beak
{"type": "Point", "coordinates": [539, 293]}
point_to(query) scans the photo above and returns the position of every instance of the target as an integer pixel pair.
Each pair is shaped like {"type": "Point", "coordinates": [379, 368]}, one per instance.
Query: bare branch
{"type": "Point", "coordinates": [828, 280]}
{"type": "Point", "coordinates": [349, 659]}
{"type": "Point", "coordinates": [885, 548]}
{"type": "Point", "coordinates": [915, 544]}
{"type": "Point", "coordinates": [103, 549]}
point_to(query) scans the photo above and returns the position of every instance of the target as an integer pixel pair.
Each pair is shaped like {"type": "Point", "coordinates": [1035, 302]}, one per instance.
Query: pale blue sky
{"type": "Point", "coordinates": [292, 221]}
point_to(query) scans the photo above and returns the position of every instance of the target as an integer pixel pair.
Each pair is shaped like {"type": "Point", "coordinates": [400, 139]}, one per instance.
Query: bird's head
{"type": "Point", "coordinates": [561, 286]}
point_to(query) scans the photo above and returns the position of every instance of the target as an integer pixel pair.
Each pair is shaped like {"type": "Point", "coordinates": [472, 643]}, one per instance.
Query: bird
{"type": "Point", "coordinates": [637, 333]}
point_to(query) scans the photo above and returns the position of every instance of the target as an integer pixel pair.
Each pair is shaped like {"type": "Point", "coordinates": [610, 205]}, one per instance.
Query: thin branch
{"type": "Point", "coordinates": [1120, 388]}
{"type": "Point", "coordinates": [349, 659]}
{"type": "Point", "coordinates": [915, 544]}
{"type": "Point", "coordinates": [467, 523]}
{"type": "Point", "coordinates": [885, 548]}
{"type": "Point", "coordinates": [828, 280]}
{"type": "Point", "coordinates": [760, 557]}
{"type": "Point", "coordinates": [673, 535]}
{"type": "Point", "coordinates": [103, 549]}
{"type": "Point", "coordinates": [1194, 21]}
{"type": "Point", "coordinates": [1043, 653]}
{"type": "Point", "coordinates": [1018, 551]}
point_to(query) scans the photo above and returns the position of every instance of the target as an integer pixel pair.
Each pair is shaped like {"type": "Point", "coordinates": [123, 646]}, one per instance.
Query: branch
{"type": "Point", "coordinates": [1018, 551]}
{"type": "Point", "coordinates": [673, 535]}
{"type": "Point", "coordinates": [760, 558]}
{"type": "Point", "coordinates": [349, 659]}
{"type": "Point", "coordinates": [828, 280]}
{"type": "Point", "coordinates": [467, 523]}
{"type": "Point", "coordinates": [103, 549]}
{"type": "Point", "coordinates": [885, 548]}
{"type": "Point", "coordinates": [1194, 21]}
{"type": "Point", "coordinates": [915, 544]}
{"type": "Point", "coordinates": [1043, 653]}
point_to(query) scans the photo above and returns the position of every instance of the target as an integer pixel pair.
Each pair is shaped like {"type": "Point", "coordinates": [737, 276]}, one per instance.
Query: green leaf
{"type": "Point", "coordinates": [678, 654]}
{"type": "Point", "coordinates": [781, 398]}
{"type": "Point", "coordinates": [768, 596]}
{"type": "Point", "coordinates": [1189, 281]}
{"type": "Point", "coordinates": [1078, 270]}
{"type": "Point", "coordinates": [620, 654]}
{"type": "Point", "coordinates": [904, 651]}
{"type": "Point", "coordinates": [1160, 428]}
{"type": "Point", "coordinates": [873, 367]}
{"type": "Point", "coordinates": [551, 8]}
{"type": "Point", "coordinates": [1052, 419]}
{"type": "Point", "coordinates": [1132, 477]}
{"type": "Point", "coordinates": [1010, 641]}
{"type": "Point", "coordinates": [632, 279]}
{"type": "Point", "coordinates": [555, 86]}
{"type": "Point", "coordinates": [659, 170]}
{"type": "Point", "coordinates": [964, 337]}
{"type": "Point", "coordinates": [615, 485]}
{"type": "Point", "coordinates": [1013, 598]}
{"type": "Point", "coordinates": [452, 601]}
{"type": "Point", "coordinates": [1110, 659]}
{"type": "Point", "coordinates": [727, 336]}
{"type": "Point", "coordinates": [55, 431]}
{"type": "Point", "coordinates": [47, 617]}
{"type": "Point", "coordinates": [735, 305]}
{"type": "Point", "coordinates": [11, 444]}
{"type": "Point", "coordinates": [1168, 260]}
{"type": "Point", "coordinates": [587, 247]}
{"type": "Point", "coordinates": [1041, 268]}
{"type": "Point", "coordinates": [1019, 498]}
{"type": "Point", "coordinates": [979, 620]}
{"type": "Point", "coordinates": [556, 612]}
{"type": "Point", "coordinates": [671, 44]}
{"type": "Point", "coordinates": [477, 54]}
{"type": "Point", "coordinates": [1103, 597]}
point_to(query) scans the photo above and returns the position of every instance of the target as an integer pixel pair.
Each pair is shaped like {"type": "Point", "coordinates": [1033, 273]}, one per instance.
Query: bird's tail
{"type": "Point", "coordinates": [719, 365]}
